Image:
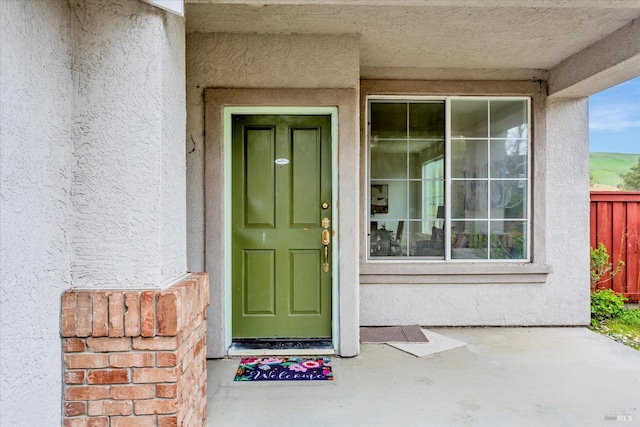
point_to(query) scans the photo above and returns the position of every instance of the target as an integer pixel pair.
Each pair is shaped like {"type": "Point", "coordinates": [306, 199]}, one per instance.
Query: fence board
{"type": "Point", "coordinates": [618, 250]}
{"type": "Point", "coordinates": [615, 221]}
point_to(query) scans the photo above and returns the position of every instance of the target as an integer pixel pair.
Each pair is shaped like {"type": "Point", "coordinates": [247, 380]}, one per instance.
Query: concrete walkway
{"type": "Point", "coordinates": [503, 377]}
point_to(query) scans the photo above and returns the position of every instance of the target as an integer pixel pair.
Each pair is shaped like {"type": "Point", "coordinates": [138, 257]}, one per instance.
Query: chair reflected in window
{"type": "Point", "coordinates": [385, 241]}
{"type": "Point", "coordinates": [433, 247]}
{"type": "Point", "coordinates": [396, 244]}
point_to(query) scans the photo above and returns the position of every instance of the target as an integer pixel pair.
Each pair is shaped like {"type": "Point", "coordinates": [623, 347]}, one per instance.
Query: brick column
{"type": "Point", "coordinates": [136, 357]}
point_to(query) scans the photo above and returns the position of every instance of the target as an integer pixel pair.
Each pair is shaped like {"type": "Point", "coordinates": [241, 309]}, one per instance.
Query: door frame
{"type": "Point", "coordinates": [347, 228]}
{"type": "Point", "coordinates": [228, 113]}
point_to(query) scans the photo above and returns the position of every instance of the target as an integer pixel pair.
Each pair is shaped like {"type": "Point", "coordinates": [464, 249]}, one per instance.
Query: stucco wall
{"type": "Point", "coordinates": [567, 208]}
{"type": "Point", "coordinates": [35, 177]}
{"type": "Point", "coordinates": [128, 189]}
{"type": "Point", "coordinates": [173, 236]}
{"type": "Point", "coordinates": [252, 61]}
{"type": "Point", "coordinates": [92, 176]}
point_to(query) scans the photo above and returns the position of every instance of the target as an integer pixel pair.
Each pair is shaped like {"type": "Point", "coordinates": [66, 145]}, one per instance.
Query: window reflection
{"type": "Point", "coordinates": [489, 179]}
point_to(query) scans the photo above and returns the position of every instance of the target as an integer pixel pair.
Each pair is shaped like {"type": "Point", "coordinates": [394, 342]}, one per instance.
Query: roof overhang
{"type": "Point", "coordinates": [580, 46]}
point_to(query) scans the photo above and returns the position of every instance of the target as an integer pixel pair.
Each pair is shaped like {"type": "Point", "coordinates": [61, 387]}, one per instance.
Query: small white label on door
{"type": "Point", "coordinates": [282, 161]}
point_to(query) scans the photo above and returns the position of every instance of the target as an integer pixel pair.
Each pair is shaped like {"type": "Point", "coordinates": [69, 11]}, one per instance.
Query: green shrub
{"type": "Point", "coordinates": [606, 304]}
{"type": "Point", "coordinates": [631, 317]}
{"type": "Point", "coordinates": [601, 267]}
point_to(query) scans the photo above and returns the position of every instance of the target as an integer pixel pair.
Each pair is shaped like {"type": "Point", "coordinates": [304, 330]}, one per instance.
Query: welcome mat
{"type": "Point", "coordinates": [284, 369]}
{"type": "Point", "coordinates": [389, 334]}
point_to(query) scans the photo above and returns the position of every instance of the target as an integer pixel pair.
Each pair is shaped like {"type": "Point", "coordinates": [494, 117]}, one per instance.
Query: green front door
{"type": "Point", "coordinates": [281, 184]}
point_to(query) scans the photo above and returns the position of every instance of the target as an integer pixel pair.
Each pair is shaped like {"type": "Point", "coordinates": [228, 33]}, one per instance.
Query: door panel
{"type": "Point", "coordinates": [259, 282]}
{"type": "Point", "coordinates": [305, 177]}
{"type": "Point", "coordinates": [281, 176]}
{"type": "Point", "coordinates": [259, 177]}
{"type": "Point", "coordinates": [306, 286]}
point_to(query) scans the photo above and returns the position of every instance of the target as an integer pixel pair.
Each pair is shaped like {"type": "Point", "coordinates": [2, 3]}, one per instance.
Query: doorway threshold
{"type": "Point", "coordinates": [281, 347]}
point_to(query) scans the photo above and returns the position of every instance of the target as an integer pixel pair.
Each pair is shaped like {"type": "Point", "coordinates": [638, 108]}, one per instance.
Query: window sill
{"type": "Point", "coordinates": [452, 273]}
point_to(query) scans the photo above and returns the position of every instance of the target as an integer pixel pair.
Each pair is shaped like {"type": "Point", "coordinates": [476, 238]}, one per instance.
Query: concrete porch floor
{"type": "Point", "coordinates": [503, 377]}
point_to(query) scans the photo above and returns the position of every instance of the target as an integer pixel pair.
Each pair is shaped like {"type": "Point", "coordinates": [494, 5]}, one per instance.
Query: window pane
{"type": "Point", "coordinates": [388, 159]}
{"type": "Point", "coordinates": [469, 119]}
{"type": "Point", "coordinates": [387, 238]}
{"type": "Point", "coordinates": [469, 199]}
{"type": "Point", "coordinates": [508, 199]}
{"type": "Point", "coordinates": [426, 243]}
{"type": "Point", "coordinates": [469, 159]}
{"type": "Point", "coordinates": [509, 158]}
{"type": "Point", "coordinates": [469, 240]}
{"type": "Point", "coordinates": [509, 119]}
{"type": "Point", "coordinates": [394, 193]}
{"type": "Point", "coordinates": [421, 152]}
{"type": "Point", "coordinates": [388, 120]}
{"type": "Point", "coordinates": [426, 120]}
{"type": "Point", "coordinates": [424, 199]}
{"type": "Point", "coordinates": [508, 240]}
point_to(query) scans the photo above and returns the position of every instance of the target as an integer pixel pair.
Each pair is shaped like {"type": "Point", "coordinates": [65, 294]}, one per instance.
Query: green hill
{"type": "Point", "coordinates": [605, 168]}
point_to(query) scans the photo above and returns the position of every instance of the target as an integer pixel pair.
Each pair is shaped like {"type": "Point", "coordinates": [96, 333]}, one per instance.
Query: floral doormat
{"type": "Point", "coordinates": [284, 369]}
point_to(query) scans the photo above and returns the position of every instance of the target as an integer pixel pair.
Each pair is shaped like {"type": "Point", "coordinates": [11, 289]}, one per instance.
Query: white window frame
{"type": "Point", "coordinates": [448, 180]}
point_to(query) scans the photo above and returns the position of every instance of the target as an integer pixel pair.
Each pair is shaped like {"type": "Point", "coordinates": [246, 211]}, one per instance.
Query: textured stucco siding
{"type": "Point", "coordinates": [253, 61]}
{"type": "Point", "coordinates": [92, 177]}
{"type": "Point", "coordinates": [567, 208]}
{"type": "Point", "coordinates": [174, 119]}
{"type": "Point", "coordinates": [129, 120]}
{"type": "Point", "coordinates": [35, 154]}
{"type": "Point", "coordinates": [561, 168]}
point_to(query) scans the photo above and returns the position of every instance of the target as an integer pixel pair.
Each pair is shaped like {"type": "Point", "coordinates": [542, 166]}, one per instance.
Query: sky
{"type": "Point", "coordinates": [614, 119]}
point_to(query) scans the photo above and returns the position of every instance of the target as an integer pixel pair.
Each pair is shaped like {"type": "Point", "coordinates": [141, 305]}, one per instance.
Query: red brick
{"type": "Point", "coordinates": [109, 407]}
{"type": "Point", "coordinates": [74, 377]}
{"type": "Point", "coordinates": [166, 359]}
{"type": "Point", "coordinates": [73, 409]}
{"type": "Point", "coordinates": [155, 343]}
{"type": "Point", "coordinates": [198, 346]}
{"type": "Point", "coordinates": [86, 422]}
{"type": "Point", "coordinates": [146, 421]}
{"type": "Point", "coordinates": [167, 421]}
{"type": "Point", "coordinates": [155, 375]}
{"type": "Point", "coordinates": [127, 360]}
{"type": "Point", "coordinates": [68, 309]}
{"type": "Point", "coordinates": [167, 391]}
{"type": "Point", "coordinates": [131, 392]}
{"type": "Point", "coordinates": [86, 392]}
{"type": "Point", "coordinates": [132, 314]}
{"type": "Point", "coordinates": [85, 361]}
{"type": "Point", "coordinates": [155, 406]}
{"type": "Point", "coordinates": [83, 314]}
{"type": "Point", "coordinates": [116, 314]}
{"type": "Point", "coordinates": [147, 314]}
{"type": "Point", "coordinates": [108, 376]}
{"type": "Point", "coordinates": [168, 306]}
{"type": "Point", "coordinates": [185, 361]}
{"type": "Point", "coordinates": [104, 345]}
{"type": "Point", "coordinates": [204, 287]}
{"type": "Point", "coordinates": [100, 314]}
{"type": "Point", "coordinates": [73, 345]}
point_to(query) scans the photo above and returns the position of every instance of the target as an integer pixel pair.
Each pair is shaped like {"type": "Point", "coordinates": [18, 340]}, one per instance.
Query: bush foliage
{"type": "Point", "coordinates": [606, 304]}
{"type": "Point", "coordinates": [601, 266]}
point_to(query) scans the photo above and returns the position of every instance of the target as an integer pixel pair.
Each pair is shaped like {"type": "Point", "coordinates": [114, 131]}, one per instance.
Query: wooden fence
{"type": "Point", "coordinates": [615, 221]}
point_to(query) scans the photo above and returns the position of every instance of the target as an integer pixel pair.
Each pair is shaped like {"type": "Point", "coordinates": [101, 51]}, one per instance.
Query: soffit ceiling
{"type": "Point", "coordinates": [469, 34]}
